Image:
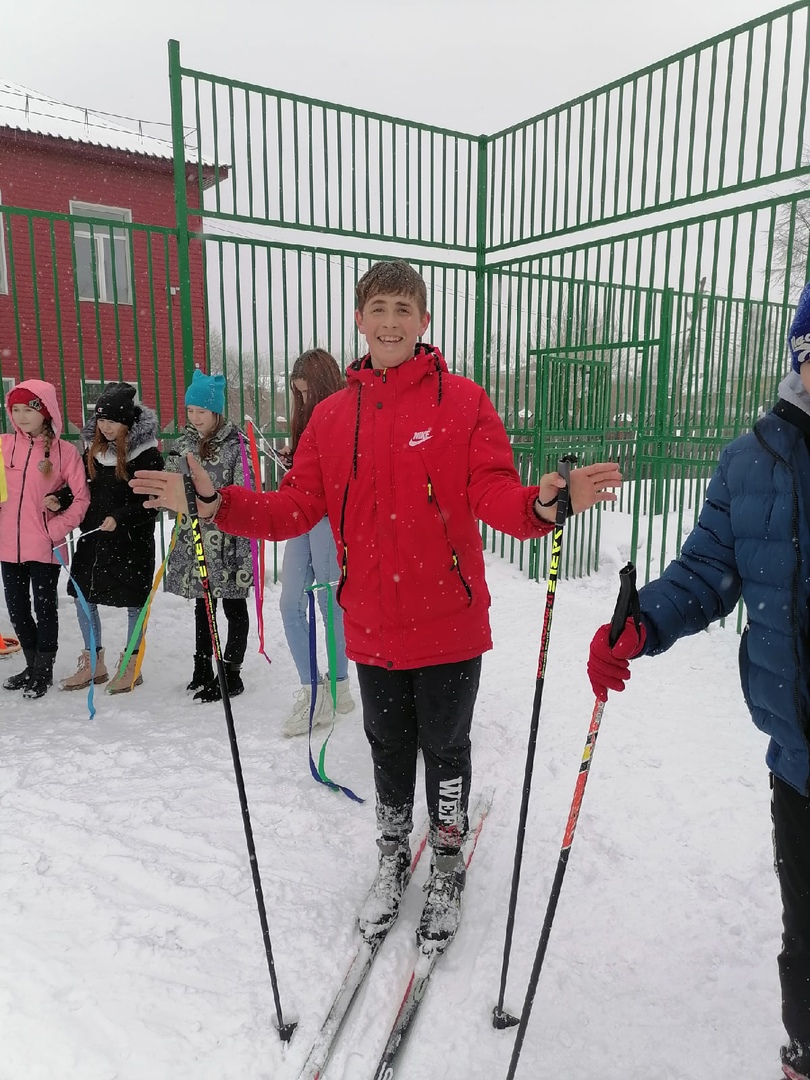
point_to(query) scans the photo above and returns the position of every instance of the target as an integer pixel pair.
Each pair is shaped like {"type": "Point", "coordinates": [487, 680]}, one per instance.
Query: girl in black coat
{"type": "Point", "coordinates": [115, 565]}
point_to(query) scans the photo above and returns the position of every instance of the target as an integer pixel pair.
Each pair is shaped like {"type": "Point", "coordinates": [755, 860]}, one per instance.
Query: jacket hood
{"type": "Point", "coordinates": [792, 390]}
{"type": "Point", "coordinates": [46, 392]}
{"type": "Point", "coordinates": [142, 435]}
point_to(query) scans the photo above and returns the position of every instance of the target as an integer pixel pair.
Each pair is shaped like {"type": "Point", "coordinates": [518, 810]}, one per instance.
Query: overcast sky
{"type": "Point", "coordinates": [475, 65]}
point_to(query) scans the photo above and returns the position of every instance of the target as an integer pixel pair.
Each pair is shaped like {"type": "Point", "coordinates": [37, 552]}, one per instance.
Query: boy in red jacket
{"type": "Point", "coordinates": [404, 462]}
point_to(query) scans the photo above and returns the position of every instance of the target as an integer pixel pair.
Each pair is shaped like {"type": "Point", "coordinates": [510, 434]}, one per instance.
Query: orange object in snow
{"type": "Point", "coordinates": [8, 646]}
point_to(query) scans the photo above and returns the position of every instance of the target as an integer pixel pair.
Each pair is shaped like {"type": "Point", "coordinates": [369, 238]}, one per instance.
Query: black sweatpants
{"type": "Point", "coordinates": [791, 839]}
{"type": "Point", "coordinates": [236, 613]}
{"type": "Point", "coordinates": [20, 581]}
{"type": "Point", "coordinates": [431, 707]}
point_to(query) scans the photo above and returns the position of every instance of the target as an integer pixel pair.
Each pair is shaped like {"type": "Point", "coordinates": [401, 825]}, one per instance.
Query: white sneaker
{"type": "Point", "coordinates": [297, 723]}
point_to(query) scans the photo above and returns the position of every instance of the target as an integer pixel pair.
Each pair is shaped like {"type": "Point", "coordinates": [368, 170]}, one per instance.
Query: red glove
{"type": "Point", "coordinates": [608, 669]}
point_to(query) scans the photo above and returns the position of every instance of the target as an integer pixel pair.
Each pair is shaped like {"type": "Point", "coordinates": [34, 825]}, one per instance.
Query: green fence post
{"type": "Point", "coordinates": [181, 210]}
{"type": "Point", "coordinates": [480, 261]}
{"type": "Point", "coordinates": [661, 424]}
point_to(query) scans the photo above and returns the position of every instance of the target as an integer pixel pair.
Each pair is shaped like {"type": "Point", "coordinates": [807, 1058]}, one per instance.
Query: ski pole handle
{"type": "Point", "coordinates": [564, 498]}
{"type": "Point", "coordinates": [627, 604]}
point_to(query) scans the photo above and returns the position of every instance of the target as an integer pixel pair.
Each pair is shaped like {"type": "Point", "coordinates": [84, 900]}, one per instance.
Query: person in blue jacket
{"type": "Point", "coordinates": [752, 540]}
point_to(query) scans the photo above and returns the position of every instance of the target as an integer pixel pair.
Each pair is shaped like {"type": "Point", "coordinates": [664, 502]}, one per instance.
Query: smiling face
{"type": "Point", "coordinates": [203, 420]}
{"type": "Point", "coordinates": [391, 324]}
{"type": "Point", "coordinates": [110, 429]}
{"type": "Point", "coordinates": [30, 421]}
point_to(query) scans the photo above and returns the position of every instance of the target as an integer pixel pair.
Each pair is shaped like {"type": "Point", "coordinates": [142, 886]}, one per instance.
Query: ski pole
{"type": "Point", "coordinates": [627, 604]}
{"type": "Point", "coordinates": [285, 1030]}
{"type": "Point", "coordinates": [501, 1019]}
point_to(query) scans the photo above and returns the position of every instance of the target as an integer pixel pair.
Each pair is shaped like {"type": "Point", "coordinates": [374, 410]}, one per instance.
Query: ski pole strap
{"type": "Point", "coordinates": [80, 597]}
{"type": "Point", "coordinates": [319, 771]}
{"type": "Point", "coordinates": [256, 551]}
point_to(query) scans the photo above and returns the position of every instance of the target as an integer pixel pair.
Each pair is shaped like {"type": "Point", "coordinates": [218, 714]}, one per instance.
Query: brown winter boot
{"type": "Point", "coordinates": [122, 683]}
{"type": "Point", "coordinates": [83, 675]}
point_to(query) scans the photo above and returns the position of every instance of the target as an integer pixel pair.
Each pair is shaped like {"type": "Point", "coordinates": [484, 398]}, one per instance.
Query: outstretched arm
{"type": "Point", "coordinates": [274, 515]}
{"type": "Point", "coordinates": [498, 497]}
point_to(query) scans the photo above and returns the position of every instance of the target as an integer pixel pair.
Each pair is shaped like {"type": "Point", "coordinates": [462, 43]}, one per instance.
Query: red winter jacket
{"type": "Point", "coordinates": [404, 461]}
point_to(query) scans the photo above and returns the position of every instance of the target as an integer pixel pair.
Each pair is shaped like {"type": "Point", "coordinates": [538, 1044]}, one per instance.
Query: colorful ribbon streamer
{"type": "Point", "coordinates": [319, 771]}
{"type": "Point", "coordinates": [256, 548]}
{"type": "Point", "coordinates": [91, 708]}
{"type": "Point", "coordinates": [139, 629]}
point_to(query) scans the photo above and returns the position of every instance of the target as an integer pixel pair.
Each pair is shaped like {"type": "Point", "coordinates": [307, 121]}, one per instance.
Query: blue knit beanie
{"type": "Point", "coordinates": [799, 337]}
{"type": "Point", "coordinates": [207, 392]}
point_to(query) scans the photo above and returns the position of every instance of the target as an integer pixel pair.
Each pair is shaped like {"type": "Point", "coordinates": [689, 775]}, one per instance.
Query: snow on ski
{"type": "Point", "coordinates": [353, 980]}
{"type": "Point", "coordinates": [425, 963]}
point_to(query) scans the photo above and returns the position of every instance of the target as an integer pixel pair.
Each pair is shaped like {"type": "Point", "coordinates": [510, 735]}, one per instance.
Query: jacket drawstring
{"type": "Point", "coordinates": [356, 432]}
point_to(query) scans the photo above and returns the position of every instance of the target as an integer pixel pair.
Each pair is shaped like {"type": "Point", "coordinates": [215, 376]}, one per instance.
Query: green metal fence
{"type": "Point", "coordinates": [726, 116]}
{"type": "Point", "coordinates": [567, 269]}
{"type": "Point", "coordinates": [87, 303]}
{"type": "Point", "coordinates": [618, 272]}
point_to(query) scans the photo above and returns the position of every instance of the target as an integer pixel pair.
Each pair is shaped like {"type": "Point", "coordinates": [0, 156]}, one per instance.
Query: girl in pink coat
{"type": "Point", "coordinates": [37, 462]}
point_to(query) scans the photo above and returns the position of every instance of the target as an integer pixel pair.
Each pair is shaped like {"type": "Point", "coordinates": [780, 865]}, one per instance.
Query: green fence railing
{"type": "Point", "coordinates": [89, 302]}
{"type": "Point", "coordinates": [619, 272]}
{"type": "Point", "coordinates": [726, 116]}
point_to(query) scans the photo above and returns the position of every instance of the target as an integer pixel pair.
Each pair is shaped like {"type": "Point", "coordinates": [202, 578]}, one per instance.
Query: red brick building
{"type": "Point", "coordinates": [88, 266]}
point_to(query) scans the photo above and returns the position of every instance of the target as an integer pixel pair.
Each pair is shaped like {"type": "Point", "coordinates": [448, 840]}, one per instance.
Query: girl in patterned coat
{"type": "Point", "coordinates": [215, 442]}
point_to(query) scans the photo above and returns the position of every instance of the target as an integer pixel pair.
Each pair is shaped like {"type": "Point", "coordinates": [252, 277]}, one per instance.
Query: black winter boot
{"type": "Point", "coordinates": [233, 680]}
{"type": "Point", "coordinates": [20, 680]}
{"type": "Point", "coordinates": [42, 675]}
{"type": "Point", "coordinates": [203, 672]}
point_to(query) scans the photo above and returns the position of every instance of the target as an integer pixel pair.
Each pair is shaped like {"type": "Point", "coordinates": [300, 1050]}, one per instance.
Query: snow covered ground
{"type": "Point", "coordinates": [129, 936]}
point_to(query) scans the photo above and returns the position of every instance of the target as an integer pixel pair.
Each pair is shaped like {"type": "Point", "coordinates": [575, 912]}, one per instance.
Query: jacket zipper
{"type": "Point", "coordinates": [795, 589]}
{"type": "Point", "coordinates": [455, 565]}
{"type": "Point", "coordinates": [19, 506]}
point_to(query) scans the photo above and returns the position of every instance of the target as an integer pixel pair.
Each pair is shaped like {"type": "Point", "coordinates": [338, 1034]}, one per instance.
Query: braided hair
{"type": "Point", "coordinates": [48, 436]}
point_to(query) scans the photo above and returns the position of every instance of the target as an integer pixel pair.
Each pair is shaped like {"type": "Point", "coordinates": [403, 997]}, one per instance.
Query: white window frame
{"type": "Point", "coordinates": [89, 399]}
{"type": "Point", "coordinates": [98, 235]}
{"type": "Point", "coordinates": [3, 264]}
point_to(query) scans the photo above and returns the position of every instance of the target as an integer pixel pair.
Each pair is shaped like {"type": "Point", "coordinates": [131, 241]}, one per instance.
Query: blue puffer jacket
{"type": "Point", "coordinates": [753, 539]}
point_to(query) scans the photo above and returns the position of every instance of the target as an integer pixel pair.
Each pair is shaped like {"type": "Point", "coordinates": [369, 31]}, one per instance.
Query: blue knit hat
{"type": "Point", "coordinates": [799, 337]}
{"type": "Point", "coordinates": [207, 392]}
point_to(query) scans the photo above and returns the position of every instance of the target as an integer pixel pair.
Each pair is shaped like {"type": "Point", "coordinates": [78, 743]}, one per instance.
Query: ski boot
{"type": "Point", "coordinates": [441, 914]}
{"type": "Point", "coordinates": [381, 906]}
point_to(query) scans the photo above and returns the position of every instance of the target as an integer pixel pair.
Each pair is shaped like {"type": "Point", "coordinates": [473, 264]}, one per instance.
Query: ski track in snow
{"type": "Point", "coordinates": [129, 933]}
